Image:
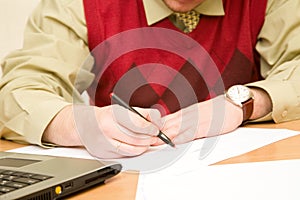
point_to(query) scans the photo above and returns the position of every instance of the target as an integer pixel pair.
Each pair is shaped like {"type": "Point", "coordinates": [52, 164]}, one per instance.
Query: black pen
{"type": "Point", "coordinates": [160, 135]}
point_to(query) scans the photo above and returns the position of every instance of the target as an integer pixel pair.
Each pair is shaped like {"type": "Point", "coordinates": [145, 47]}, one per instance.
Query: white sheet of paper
{"type": "Point", "coordinates": [57, 151]}
{"type": "Point", "coordinates": [186, 157]}
{"type": "Point", "coordinates": [274, 180]}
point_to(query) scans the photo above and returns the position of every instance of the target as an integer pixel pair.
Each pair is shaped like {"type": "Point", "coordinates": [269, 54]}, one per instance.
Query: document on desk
{"type": "Point", "coordinates": [275, 180]}
{"type": "Point", "coordinates": [186, 157]}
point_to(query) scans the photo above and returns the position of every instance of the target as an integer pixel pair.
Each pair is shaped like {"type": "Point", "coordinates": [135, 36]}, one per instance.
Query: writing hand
{"type": "Point", "coordinates": [106, 132]}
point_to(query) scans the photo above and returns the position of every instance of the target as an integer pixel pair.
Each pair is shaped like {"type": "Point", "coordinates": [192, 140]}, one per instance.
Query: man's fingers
{"type": "Point", "coordinates": [133, 122]}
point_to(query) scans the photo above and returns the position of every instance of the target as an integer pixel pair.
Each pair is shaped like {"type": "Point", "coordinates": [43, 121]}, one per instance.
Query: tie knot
{"type": "Point", "coordinates": [189, 19]}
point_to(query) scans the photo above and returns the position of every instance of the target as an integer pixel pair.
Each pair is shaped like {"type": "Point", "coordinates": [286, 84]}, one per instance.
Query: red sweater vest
{"type": "Point", "coordinates": [161, 67]}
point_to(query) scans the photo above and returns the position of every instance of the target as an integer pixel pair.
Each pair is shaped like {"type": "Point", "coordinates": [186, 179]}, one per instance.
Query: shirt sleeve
{"type": "Point", "coordinates": [279, 47]}
{"type": "Point", "coordinates": [47, 74]}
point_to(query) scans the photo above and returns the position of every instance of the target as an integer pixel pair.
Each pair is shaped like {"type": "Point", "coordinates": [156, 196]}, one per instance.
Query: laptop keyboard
{"type": "Point", "coordinates": [11, 180]}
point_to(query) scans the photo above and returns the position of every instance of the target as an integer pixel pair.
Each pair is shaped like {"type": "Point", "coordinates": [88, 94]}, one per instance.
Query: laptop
{"type": "Point", "coordinates": [27, 176]}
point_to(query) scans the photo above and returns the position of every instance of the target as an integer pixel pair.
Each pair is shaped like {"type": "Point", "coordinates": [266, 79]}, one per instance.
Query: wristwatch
{"type": "Point", "coordinates": [241, 96]}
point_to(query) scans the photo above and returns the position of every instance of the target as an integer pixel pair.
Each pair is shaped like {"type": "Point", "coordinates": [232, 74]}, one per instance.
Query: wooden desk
{"type": "Point", "coordinates": [124, 185]}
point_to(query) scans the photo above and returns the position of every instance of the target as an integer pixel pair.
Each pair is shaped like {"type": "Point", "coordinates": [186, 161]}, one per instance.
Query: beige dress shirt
{"type": "Point", "coordinates": [38, 80]}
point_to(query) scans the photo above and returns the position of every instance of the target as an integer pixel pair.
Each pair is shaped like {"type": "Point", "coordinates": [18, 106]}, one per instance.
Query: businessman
{"type": "Point", "coordinates": [194, 68]}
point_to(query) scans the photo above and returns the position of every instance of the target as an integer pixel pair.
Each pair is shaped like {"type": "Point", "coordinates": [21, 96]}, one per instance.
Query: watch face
{"type": "Point", "coordinates": [239, 93]}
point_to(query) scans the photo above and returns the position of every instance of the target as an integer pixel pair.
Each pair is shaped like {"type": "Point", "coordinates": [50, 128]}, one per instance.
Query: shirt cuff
{"type": "Point", "coordinates": [283, 97]}
{"type": "Point", "coordinates": [29, 127]}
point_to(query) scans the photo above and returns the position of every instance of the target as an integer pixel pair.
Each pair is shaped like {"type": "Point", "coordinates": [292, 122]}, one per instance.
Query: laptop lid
{"type": "Point", "coordinates": [27, 176]}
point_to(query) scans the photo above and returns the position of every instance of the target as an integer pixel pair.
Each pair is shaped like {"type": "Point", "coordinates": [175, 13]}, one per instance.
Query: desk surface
{"type": "Point", "coordinates": [124, 185]}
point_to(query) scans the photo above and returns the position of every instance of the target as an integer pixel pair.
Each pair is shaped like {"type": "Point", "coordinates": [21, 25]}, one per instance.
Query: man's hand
{"type": "Point", "coordinates": [205, 119]}
{"type": "Point", "coordinates": [211, 118]}
{"type": "Point", "coordinates": [106, 132]}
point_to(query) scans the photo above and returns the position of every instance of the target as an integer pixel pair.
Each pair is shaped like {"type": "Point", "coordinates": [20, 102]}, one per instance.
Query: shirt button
{"type": "Point", "coordinates": [284, 113]}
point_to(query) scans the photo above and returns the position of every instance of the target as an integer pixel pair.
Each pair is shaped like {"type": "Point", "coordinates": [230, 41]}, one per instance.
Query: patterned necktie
{"type": "Point", "coordinates": [189, 19]}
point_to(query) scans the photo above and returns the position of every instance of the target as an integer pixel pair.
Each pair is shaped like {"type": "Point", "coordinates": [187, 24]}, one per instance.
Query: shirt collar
{"type": "Point", "coordinates": [156, 10]}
